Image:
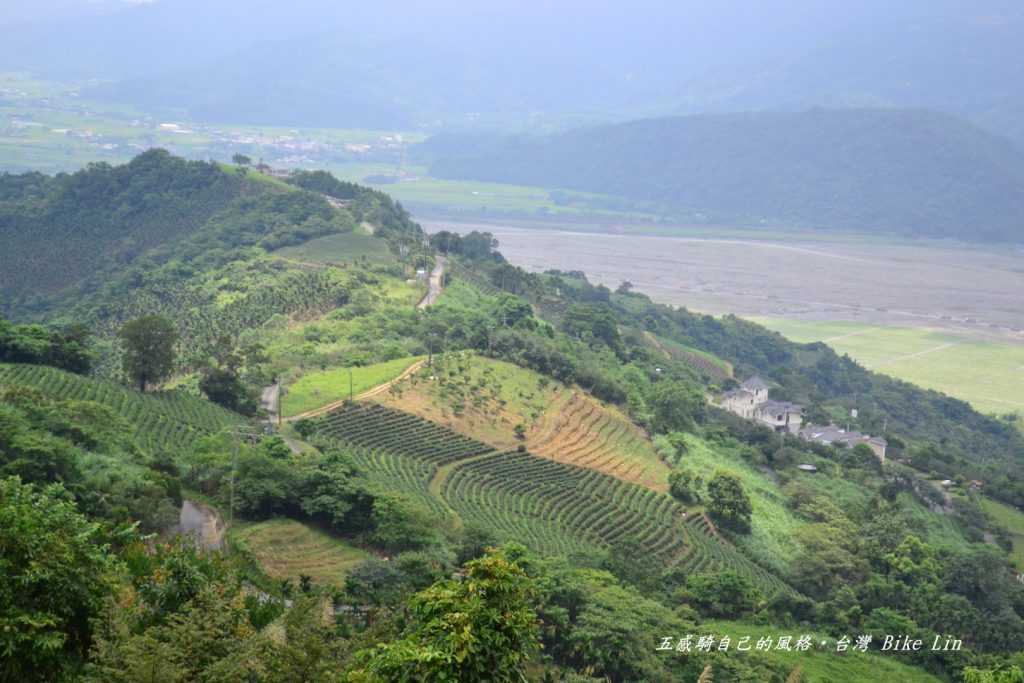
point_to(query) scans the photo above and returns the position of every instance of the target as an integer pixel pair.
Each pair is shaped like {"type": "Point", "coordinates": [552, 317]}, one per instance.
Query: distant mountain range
{"type": "Point", "coordinates": [517, 66]}
{"type": "Point", "coordinates": [907, 171]}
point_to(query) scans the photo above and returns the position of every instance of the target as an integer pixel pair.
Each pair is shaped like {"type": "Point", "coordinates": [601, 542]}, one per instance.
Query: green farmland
{"type": "Point", "coordinates": [316, 389]}
{"type": "Point", "coordinates": [987, 374]}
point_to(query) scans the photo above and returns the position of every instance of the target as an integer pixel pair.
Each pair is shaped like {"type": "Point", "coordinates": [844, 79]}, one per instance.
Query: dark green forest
{"type": "Point", "coordinates": [909, 172]}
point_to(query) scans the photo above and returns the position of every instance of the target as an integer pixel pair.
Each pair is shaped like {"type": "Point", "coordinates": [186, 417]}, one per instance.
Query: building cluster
{"type": "Point", "coordinates": [751, 401]}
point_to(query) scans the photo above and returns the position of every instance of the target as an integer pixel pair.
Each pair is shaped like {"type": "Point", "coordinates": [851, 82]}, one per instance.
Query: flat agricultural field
{"type": "Point", "coordinates": [989, 374]}
{"type": "Point", "coordinates": [287, 549]}
{"type": "Point", "coordinates": [316, 389]}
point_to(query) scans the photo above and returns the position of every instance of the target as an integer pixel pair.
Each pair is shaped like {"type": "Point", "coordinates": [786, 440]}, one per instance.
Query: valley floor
{"type": "Point", "coordinates": [945, 316]}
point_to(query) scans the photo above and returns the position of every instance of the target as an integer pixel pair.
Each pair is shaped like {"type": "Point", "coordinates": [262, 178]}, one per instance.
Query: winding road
{"type": "Point", "coordinates": [272, 394]}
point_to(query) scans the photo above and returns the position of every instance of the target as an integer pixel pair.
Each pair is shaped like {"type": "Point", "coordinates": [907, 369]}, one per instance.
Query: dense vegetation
{"type": "Point", "coordinates": [100, 216]}
{"type": "Point", "coordinates": [595, 569]}
{"type": "Point", "coordinates": [911, 172]}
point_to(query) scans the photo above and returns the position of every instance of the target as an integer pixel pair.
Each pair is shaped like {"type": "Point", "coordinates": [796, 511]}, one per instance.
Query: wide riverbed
{"type": "Point", "coordinates": [931, 284]}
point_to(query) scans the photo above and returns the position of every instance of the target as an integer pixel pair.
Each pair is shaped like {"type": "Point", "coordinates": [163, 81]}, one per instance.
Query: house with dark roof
{"type": "Point", "coordinates": [833, 435]}
{"type": "Point", "coordinates": [750, 401]}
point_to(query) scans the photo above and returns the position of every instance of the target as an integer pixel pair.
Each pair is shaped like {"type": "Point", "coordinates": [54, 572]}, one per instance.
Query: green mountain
{"type": "Point", "coordinates": [912, 172]}
{"type": "Point", "coordinates": [537, 468]}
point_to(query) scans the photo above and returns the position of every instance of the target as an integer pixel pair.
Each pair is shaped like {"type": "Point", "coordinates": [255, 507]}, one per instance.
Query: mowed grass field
{"type": "Point", "coordinates": [1012, 520]}
{"type": "Point", "coordinates": [316, 389]}
{"type": "Point", "coordinates": [287, 549]}
{"type": "Point", "coordinates": [987, 374]}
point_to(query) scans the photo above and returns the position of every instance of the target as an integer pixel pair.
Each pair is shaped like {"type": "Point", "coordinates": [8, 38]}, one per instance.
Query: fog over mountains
{"type": "Point", "coordinates": [407, 64]}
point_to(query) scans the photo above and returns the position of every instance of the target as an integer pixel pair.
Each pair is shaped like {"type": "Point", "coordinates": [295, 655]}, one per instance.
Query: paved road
{"type": "Point", "coordinates": [270, 400]}
{"type": "Point", "coordinates": [434, 287]}
{"type": "Point", "coordinates": [272, 394]}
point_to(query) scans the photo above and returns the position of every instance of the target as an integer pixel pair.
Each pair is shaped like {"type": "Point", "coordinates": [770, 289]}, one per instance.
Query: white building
{"type": "Point", "coordinates": [751, 401]}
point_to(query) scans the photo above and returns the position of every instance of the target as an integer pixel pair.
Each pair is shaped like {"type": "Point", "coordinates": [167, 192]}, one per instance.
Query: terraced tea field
{"type": "Point", "coordinates": [554, 507]}
{"type": "Point", "coordinates": [581, 431]}
{"type": "Point", "coordinates": [161, 420]}
{"type": "Point", "coordinates": [489, 398]}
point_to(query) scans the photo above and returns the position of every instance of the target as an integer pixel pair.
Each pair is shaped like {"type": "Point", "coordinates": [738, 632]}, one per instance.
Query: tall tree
{"type": "Point", "coordinates": [481, 628]}
{"type": "Point", "coordinates": [149, 349]}
{"type": "Point", "coordinates": [728, 503]}
{"type": "Point", "coordinates": [54, 576]}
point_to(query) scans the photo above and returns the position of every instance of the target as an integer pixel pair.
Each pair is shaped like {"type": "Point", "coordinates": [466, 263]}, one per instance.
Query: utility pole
{"type": "Point", "coordinates": [350, 398]}
{"type": "Point", "coordinates": [242, 432]}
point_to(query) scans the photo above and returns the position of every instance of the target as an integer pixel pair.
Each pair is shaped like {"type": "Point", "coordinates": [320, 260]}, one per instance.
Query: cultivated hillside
{"type": "Point", "coordinates": [912, 172]}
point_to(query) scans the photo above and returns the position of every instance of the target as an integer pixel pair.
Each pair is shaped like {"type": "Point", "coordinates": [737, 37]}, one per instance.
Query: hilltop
{"type": "Point", "coordinates": [911, 172]}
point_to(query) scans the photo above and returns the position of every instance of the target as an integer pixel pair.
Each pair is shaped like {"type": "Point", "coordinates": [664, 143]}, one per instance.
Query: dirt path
{"type": "Point", "coordinates": [911, 356]}
{"type": "Point", "coordinates": [434, 287]}
{"type": "Point", "coordinates": [369, 393]}
{"type": "Point", "coordinates": [657, 344]}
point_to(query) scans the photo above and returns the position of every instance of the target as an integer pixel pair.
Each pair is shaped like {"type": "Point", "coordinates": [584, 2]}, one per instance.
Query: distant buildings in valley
{"type": "Point", "coordinates": [750, 401]}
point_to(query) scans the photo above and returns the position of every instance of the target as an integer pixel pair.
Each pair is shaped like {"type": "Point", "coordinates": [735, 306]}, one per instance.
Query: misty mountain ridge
{"type": "Point", "coordinates": [911, 172]}
{"type": "Point", "coordinates": [427, 65]}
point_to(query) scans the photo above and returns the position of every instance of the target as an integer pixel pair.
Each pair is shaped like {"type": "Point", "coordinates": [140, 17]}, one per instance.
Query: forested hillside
{"type": "Point", "coordinates": [199, 257]}
{"type": "Point", "coordinates": [548, 481]}
{"type": "Point", "coordinates": [910, 172]}
{"type": "Point", "coordinates": [57, 231]}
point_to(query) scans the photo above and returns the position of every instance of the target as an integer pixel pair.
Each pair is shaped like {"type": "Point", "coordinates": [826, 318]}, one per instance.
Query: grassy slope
{"type": "Point", "coordinates": [494, 397]}
{"type": "Point", "coordinates": [988, 374]}
{"type": "Point", "coordinates": [774, 526]}
{"type": "Point", "coordinates": [826, 665]}
{"type": "Point", "coordinates": [286, 549]}
{"type": "Point", "coordinates": [315, 389]}
{"type": "Point", "coordinates": [1013, 521]}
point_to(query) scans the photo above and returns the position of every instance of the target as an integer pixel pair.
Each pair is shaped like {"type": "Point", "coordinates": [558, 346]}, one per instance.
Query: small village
{"type": "Point", "coordinates": [751, 401]}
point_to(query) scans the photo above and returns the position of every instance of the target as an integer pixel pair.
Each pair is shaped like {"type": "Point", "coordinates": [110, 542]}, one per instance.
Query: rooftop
{"type": "Point", "coordinates": [755, 383]}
